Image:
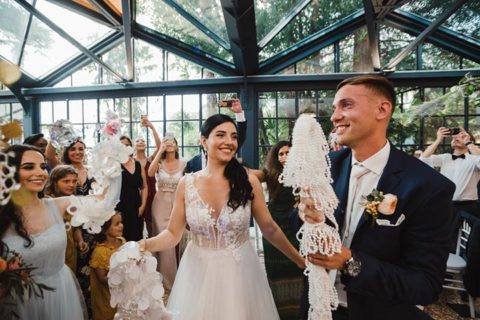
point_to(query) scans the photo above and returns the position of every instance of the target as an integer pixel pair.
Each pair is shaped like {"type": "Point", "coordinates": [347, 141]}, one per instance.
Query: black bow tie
{"type": "Point", "coordinates": [454, 157]}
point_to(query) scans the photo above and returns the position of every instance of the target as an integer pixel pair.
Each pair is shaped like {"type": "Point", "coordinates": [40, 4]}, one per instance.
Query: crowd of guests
{"type": "Point", "coordinates": [148, 196]}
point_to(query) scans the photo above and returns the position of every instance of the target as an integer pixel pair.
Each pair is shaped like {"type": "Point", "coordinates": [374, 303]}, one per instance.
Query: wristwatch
{"type": "Point", "coordinates": [353, 266]}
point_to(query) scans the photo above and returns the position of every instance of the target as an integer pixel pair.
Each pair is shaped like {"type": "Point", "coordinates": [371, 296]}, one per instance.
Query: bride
{"type": "Point", "coordinates": [220, 276]}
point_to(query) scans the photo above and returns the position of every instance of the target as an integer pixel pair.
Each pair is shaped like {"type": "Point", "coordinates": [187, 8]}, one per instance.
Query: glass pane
{"type": "Point", "coordinates": [84, 30]}
{"type": "Point", "coordinates": [266, 105]}
{"type": "Point", "coordinates": [159, 127]}
{"type": "Point", "coordinates": [474, 128]}
{"type": "Point", "coordinates": [90, 112]}
{"type": "Point", "coordinates": [325, 101]}
{"type": "Point", "coordinates": [42, 52]}
{"type": "Point", "coordinates": [427, 8]}
{"type": "Point", "coordinates": [174, 107]}
{"type": "Point", "coordinates": [268, 14]}
{"type": "Point", "coordinates": [105, 104]}
{"type": "Point", "coordinates": [315, 17]}
{"type": "Point", "coordinates": [267, 131]}
{"type": "Point", "coordinates": [181, 69]}
{"type": "Point", "coordinates": [307, 102]}
{"type": "Point", "coordinates": [59, 110]}
{"type": "Point", "coordinates": [86, 76]}
{"type": "Point", "coordinates": [17, 111]}
{"type": "Point", "coordinates": [148, 62]}
{"type": "Point", "coordinates": [46, 113]}
{"type": "Point", "coordinates": [392, 42]}
{"type": "Point", "coordinates": [288, 70]}
{"type": "Point", "coordinates": [286, 104]}
{"type": "Point", "coordinates": [435, 58]}
{"type": "Point", "coordinates": [285, 129]}
{"type": "Point", "coordinates": [191, 133]}
{"type": "Point", "coordinates": [155, 108]}
{"type": "Point", "coordinates": [175, 127]}
{"type": "Point", "coordinates": [67, 82]}
{"type": "Point", "coordinates": [75, 113]}
{"type": "Point", "coordinates": [13, 25]}
{"type": "Point", "coordinates": [466, 20]}
{"type": "Point", "coordinates": [320, 62]}
{"type": "Point", "coordinates": [117, 60]}
{"type": "Point", "coordinates": [346, 53]}
{"type": "Point", "coordinates": [139, 107]}
{"type": "Point", "coordinates": [209, 13]}
{"type": "Point", "coordinates": [191, 106]}
{"type": "Point", "coordinates": [4, 112]}
{"type": "Point", "coordinates": [209, 105]}
{"type": "Point", "coordinates": [469, 64]}
{"type": "Point", "coordinates": [91, 135]}
{"type": "Point", "coordinates": [122, 108]}
{"type": "Point", "coordinates": [159, 16]}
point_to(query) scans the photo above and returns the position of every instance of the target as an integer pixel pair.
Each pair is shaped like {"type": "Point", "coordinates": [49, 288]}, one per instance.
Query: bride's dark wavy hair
{"type": "Point", "coordinates": [240, 187]}
{"type": "Point", "coordinates": [10, 214]}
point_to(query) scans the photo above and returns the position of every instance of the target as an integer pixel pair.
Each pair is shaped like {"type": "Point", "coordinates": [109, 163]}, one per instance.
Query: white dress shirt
{"type": "Point", "coordinates": [354, 210]}
{"type": "Point", "coordinates": [465, 173]}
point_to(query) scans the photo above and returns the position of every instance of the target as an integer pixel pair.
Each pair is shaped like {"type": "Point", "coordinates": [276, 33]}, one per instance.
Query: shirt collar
{"type": "Point", "coordinates": [377, 162]}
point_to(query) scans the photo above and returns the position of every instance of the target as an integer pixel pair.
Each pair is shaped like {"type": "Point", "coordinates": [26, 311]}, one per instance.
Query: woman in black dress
{"type": "Point", "coordinates": [133, 196]}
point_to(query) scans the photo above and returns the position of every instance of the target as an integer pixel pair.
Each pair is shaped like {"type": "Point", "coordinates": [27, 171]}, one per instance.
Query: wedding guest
{"type": "Point", "coordinates": [392, 262]}
{"type": "Point", "coordinates": [35, 229]}
{"type": "Point", "coordinates": [133, 196]}
{"type": "Point", "coordinates": [140, 156]}
{"type": "Point", "coordinates": [62, 182]}
{"type": "Point", "coordinates": [462, 167]}
{"type": "Point", "coordinates": [168, 169]}
{"type": "Point", "coordinates": [108, 241]}
{"type": "Point", "coordinates": [284, 276]}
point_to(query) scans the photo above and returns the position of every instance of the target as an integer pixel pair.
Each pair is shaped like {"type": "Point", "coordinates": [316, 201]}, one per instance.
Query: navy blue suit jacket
{"type": "Point", "coordinates": [195, 164]}
{"type": "Point", "coordinates": [402, 266]}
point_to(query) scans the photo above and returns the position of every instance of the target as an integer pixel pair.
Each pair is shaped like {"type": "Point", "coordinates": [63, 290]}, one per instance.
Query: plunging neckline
{"type": "Point", "coordinates": [134, 167]}
{"type": "Point", "coordinates": [208, 207]}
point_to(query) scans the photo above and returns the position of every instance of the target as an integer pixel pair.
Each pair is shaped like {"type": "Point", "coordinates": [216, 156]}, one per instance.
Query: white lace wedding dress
{"type": "Point", "coordinates": [220, 276]}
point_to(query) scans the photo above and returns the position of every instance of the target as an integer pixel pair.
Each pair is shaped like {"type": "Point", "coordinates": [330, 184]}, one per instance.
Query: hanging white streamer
{"type": "Point", "coordinates": [307, 171]}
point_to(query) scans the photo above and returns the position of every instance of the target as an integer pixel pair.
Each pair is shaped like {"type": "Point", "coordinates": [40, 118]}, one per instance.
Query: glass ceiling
{"type": "Point", "coordinates": [196, 30]}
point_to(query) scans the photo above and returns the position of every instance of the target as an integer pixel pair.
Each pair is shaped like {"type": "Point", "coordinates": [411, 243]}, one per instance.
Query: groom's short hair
{"type": "Point", "coordinates": [378, 84]}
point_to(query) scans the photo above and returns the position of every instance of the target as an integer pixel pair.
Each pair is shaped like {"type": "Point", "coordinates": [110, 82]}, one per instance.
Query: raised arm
{"type": "Point", "coordinates": [152, 170]}
{"type": "Point", "coordinates": [270, 230]}
{"type": "Point", "coordinates": [172, 235]}
{"type": "Point", "coordinates": [143, 193]}
{"type": "Point", "coordinates": [442, 132]}
{"type": "Point", "coordinates": [156, 137]}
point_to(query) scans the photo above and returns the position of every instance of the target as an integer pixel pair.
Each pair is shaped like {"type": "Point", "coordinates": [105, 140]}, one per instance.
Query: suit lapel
{"type": "Point", "coordinates": [388, 180]}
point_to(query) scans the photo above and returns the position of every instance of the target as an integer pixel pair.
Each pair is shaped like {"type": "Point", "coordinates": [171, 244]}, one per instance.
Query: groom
{"type": "Point", "coordinates": [389, 265]}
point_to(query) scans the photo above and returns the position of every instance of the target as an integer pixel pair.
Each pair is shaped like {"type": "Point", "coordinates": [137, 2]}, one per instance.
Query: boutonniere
{"type": "Point", "coordinates": [376, 203]}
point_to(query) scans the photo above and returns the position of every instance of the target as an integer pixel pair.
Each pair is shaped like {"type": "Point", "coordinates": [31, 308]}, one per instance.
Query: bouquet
{"type": "Point", "coordinates": [16, 283]}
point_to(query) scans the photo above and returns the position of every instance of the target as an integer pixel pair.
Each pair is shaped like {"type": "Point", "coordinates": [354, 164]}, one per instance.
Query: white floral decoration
{"type": "Point", "coordinates": [307, 171]}
{"type": "Point", "coordinates": [8, 183]}
{"type": "Point", "coordinates": [135, 285]}
{"type": "Point", "coordinates": [105, 168]}
{"type": "Point", "coordinates": [62, 134]}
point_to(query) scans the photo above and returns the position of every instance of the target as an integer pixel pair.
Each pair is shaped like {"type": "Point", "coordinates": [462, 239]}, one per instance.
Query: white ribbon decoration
{"type": "Point", "coordinates": [307, 171]}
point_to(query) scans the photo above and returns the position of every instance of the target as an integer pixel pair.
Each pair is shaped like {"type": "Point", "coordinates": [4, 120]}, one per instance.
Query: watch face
{"type": "Point", "coordinates": [353, 268]}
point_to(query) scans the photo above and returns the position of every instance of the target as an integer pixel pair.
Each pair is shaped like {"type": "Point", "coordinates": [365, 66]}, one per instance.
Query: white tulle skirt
{"type": "Point", "coordinates": [212, 285]}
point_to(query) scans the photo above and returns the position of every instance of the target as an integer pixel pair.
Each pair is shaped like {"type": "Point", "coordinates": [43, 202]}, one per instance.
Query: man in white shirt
{"type": "Point", "coordinates": [388, 263]}
{"type": "Point", "coordinates": [462, 167]}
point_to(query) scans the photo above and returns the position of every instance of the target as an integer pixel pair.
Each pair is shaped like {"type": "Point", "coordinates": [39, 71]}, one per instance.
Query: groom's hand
{"type": "Point", "coordinates": [337, 261]}
{"type": "Point", "coordinates": [307, 211]}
